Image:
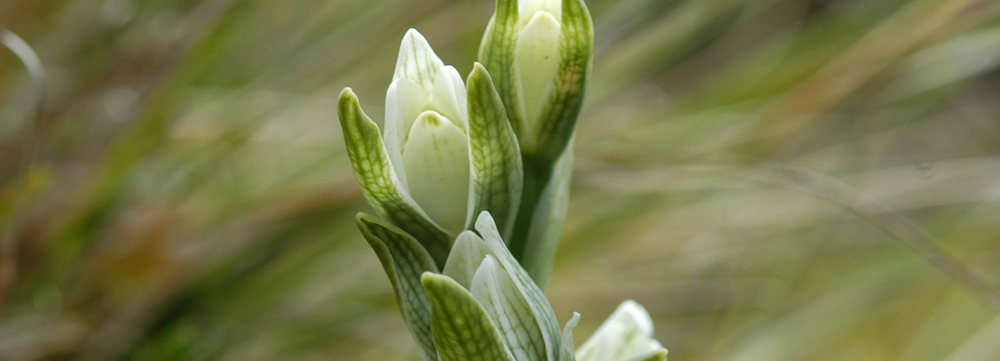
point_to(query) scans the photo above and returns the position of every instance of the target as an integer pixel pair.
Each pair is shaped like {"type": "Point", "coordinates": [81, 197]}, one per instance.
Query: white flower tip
{"type": "Point", "coordinates": [417, 60]}
{"type": "Point", "coordinates": [633, 311]}
{"type": "Point", "coordinates": [573, 321]}
{"type": "Point", "coordinates": [538, 58]}
{"type": "Point", "coordinates": [485, 222]}
{"type": "Point", "coordinates": [412, 32]}
{"type": "Point", "coordinates": [628, 332]}
{"type": "Point", "coordinates": [489, 263]}
{"type": "Point", "coordinates": [470, 235]}
{"type": "Point", "coordinates": [526, 8]}
{"type": "Point", "coordinates": [428, 117]}
{"type": "Point", "coordinates": [413, 39]}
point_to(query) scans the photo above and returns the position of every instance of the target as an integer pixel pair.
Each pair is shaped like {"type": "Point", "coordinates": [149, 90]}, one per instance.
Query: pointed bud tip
{"type": "Point", "coordinates": [347, 97]}
{"type": "Point", "coordinates": [431, 280]}
{"type": "Point", "coordinates": [349, 110]}
{"type": "Point", "coordinates": [477, 75]}
{"type": "Point", "coordinates": [483, 220]}
{"type": "Point", "coordinates": [660, 355]}
{"type": "Point", "coordinates": [414, 36]}
{"type": "Point", "coordinates": [478, 67]}
{"type": "Point", "coordinates": [573, 321]}
{"type": "Point", "coordinates": [411, 32]}
{"type": "Point", "coordinates": [430, 117]}
{"type": "Point", "coordinates": [466, 234]}
{"type": "Point", "coordinates": [365, 220]}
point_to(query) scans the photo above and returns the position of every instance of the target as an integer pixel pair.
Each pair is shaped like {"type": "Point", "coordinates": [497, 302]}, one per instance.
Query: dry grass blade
{"type": "Point", "coordinates": [882, 216]}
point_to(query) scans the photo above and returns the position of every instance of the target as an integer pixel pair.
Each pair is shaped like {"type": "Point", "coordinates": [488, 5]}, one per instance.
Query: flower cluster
{"type": "Point", "coordinates": [463, 166]}
{"type": "Point", "coordinates": [483, 305]}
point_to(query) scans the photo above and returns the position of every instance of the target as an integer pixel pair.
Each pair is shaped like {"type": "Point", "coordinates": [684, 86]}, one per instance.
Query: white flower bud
{"type": "Point", "coordinates": [426, 116]}
{"type": "Point", "coordinates": [447, 153]}
{"type": "Point", "coordinates": [539, 52]}
{"type": "Point", "coordinates": [626, 335]}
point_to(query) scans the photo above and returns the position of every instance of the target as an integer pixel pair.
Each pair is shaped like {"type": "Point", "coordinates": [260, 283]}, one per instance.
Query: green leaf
{"type": "Point", "coordinates": [497, 54]}
{"type": "Point", "coordinates": [404, 261]}
{"type": "Point", "coordinates": [497, 173]}
{"type": "Point", "coordinates": [379, 182]}
{"type": "Point", "coordinates": [560, 111]}
{"type": "Point", "coordinates": [466, 255]}
{"type": "Point", "coordinates": [547, 221]}
{"type": "Point", "coordinates": [567, 352]}
{"type": "Point", "coordinates": [461, 328]}
{"type": "Point", "coordinates": [495, 290]}
{"type": "Point", "coordinates": [536, 300]}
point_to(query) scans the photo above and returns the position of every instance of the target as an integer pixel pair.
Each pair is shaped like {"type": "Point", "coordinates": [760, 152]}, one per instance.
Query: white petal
{"type": "Point", "coordinates": [537, 64]}
{"type": "Point", "coordinates": [403, 103]}
{"type": "Point", "coordinates": [417, 60]}
{"type": "Point", "coordinates": [449, 97]}
{"type": "Point", "coordinates": [467, 254]}
{"type": "Point", "coordinates": [436, 157]}
{"type": "Point", "coordinates": [527, 8]}
{"type": "Point", "coordinates": [627, 333]}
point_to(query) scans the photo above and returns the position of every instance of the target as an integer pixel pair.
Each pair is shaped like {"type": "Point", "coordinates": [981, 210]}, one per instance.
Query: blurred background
{"type": "Point", "coordinates": [772, 179]}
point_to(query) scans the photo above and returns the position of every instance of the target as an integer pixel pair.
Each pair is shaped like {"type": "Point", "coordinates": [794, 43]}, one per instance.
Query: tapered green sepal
{"type": "Point", "coordinates": [379, 182]}
{"type": "Point", "coordinates": [404, 261]}
{"type": "Point", "coordinates": [496, 53]}
{"type": "Point", "coordinates": [461, 329]}
{"type": "Point", "coordinates": [496, 176]}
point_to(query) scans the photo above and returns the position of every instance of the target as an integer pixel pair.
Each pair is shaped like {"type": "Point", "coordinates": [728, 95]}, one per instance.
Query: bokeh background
{"type": "Point", "coordinates": [772, 179]}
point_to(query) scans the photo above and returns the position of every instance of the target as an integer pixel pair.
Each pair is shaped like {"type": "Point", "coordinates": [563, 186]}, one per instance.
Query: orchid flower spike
{"type": "Point", "coordinates": [483, 305]}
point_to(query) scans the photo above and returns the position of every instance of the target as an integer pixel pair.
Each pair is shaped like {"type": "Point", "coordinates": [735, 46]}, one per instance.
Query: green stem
{"type": "Point", "coordinates": [537, 174]}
